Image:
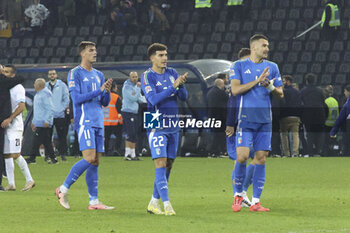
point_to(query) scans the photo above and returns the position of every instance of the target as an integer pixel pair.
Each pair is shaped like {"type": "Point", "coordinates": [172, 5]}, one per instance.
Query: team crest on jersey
{"type": "Point", "coordinates": [158, 151]}
{"type": "Point", "coordinates": [98, 80]}
{"type": "Point", "coordinates": [172, 79]}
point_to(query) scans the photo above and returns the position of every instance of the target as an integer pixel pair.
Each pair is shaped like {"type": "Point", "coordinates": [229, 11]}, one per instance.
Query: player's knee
{"type": "Point", "coordinates": [242, 158]}
{"type": "Point", "coordinates": [260, 158]}
{"type": "Point", "coordinates": [160, 162]}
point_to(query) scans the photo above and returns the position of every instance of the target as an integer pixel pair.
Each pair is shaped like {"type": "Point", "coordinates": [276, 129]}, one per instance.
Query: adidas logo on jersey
{"type": "Point", "coordinates": [247, 71]}
{"type": "Point", "coordinates": [158, 84]}
{"type": "Point", "coordinates": [86, 79]}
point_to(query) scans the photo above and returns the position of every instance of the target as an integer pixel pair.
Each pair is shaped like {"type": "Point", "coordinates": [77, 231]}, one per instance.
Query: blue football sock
{"type": "Point", "coordinates": [91, 178]}
{"type": "Point", "coordinates": [75, 172]}
{"type": "Point", "coordinates": [155, 191]}
{"type": "Point", "coordinates": [258, 180]}
{"type": "Point", "coordinates": [248, 177]}
{"type": "Point", "coordinates": [162, 183]}
{"type": "Point", "coordinates": [233, 182]}
{"type": "Point", "coordinates": [240, 169]}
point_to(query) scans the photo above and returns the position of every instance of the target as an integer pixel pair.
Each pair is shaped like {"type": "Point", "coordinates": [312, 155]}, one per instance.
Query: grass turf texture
{"type": "Point", "coordinates": [304, 194]}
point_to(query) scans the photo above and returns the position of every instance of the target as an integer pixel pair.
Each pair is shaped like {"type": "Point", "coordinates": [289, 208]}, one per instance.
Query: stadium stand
{"type": "Point", "coordinates": [189, 38]}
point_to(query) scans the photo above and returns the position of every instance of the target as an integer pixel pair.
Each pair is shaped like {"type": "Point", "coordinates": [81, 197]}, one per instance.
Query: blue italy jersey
{"type": "Point", "coordinates": [87, 97]}
{"type": "Point", "coordinates": [255, 104]}
{"type": "Point", "coordinates": [161, 95]}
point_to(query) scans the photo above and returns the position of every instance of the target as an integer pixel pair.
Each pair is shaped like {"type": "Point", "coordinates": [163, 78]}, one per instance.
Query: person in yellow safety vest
{"type": "Point", "coordinates": [202, 4]}
{"type": "Point", "coordinates": [235, 9]}
{"type": "Point", "coordinates": [330, 20]}
{"type": "Point", "coordinates": [234, 2]}
{"type": "Point", "coordinates": [333, 113]}
{"type": "Point", "coordinates": [203, 7]}
{"type": "Point", "coordinates": [112, 120]}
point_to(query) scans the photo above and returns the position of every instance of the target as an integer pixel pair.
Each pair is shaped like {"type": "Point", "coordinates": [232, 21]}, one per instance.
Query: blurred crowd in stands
{"type": "Point", "coordinates": [38, 16]}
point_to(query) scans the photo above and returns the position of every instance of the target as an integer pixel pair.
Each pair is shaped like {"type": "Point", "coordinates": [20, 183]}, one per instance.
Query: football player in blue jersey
{"type": "Point", "coordinates": [252, 80]}
{"type": "Point", "coordinates": [231, 125]}
{"type": "Point", "coordinates": [89, 92]}
{"type": "Point", "coordinates": [162, 87]}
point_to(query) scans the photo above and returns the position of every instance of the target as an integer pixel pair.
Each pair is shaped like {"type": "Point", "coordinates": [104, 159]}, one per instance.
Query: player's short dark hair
{"type": "Point", "coordinates": [243, 52]}
{"type": "Point", "coordinates": [82, 45]}
{"type": "Point", "coordinates": [257, 37]}
{"type": "Point", "coordinates": [222, 76]}
{"type": "Point", "coordinates": [114, 84]}
{"type": "Point", "coordinates": [347, 87]}
{"type": "Point", "coordinates": [288, 78]}
{"type": "Point", "coordinates": [310, 78]}
{"type": "Point", "coordinates": [14, 70]}
{"type": "Point", "coordinates": [153, 48]}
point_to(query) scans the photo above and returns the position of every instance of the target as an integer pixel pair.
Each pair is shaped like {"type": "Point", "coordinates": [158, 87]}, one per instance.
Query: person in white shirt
{"type": "Point", "coordinates": [14, 133]}
{"type": "Point", "coordinates": [36, 14]}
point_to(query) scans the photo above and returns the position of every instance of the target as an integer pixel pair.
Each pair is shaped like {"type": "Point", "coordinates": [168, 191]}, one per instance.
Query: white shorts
{"type": "Point", "coordinates": [12, 142]}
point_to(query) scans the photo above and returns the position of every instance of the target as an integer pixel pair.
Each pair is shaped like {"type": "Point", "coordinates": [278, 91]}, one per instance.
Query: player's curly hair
{"type": "Point", "coordinates": [153, 48]}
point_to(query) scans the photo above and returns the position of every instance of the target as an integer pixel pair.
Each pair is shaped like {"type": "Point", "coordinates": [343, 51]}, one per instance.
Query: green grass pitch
{"type": "Point", "coordinates": [304, 194]}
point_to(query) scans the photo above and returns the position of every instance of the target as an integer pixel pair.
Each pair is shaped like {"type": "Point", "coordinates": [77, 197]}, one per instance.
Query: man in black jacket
{"type": "Point", "coordinates": [314, 115]}
{"type": "Point", "coordinates": [290, 117]}
{"type": "Point", "coordinates": [217, 103]}
{"type": "Point", "coordinates": [5, 105]}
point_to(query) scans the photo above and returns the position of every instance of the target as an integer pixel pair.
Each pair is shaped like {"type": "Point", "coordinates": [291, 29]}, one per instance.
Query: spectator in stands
{"type": "Point", "coordinates": [42, 122]}
{"type": "Point", "coordinates": [83, 8]}
{"type": "Point", "coordinates": [101, 6]}
{"type": "Point", "coordinates": [13, 13]}
{"type": "Point", "coordinates": [36, 14]}
{"type": "Point", "coordinates": [6, 84]}
{"type": "Point", "coordinates": [217, 103]}
{"type": "Point", "coordinates": [112, 119]}
{"type": "Point", "coordinates": [330, 20]}
{"type": "Point", "coordinates": [52, 6]}
{"type": "Point", "coordinates": [124, 17]}
{"type": "Point", "coordinates": [130, 105]}
{"type": "Point", "coordinates": [313, 115]}
{"type": "Point", "coordinates": [60, 99]}
{"type": "Point", "coordinates": [235, 9]}
{"type": "Point", "coordinates": [343, 120]}
{"type": "Point", "coordinates": [290, 117]}
{"type": "Point", "coordinates": [66, 13]}
{"type": "Point", "coordinates": [203, 7]}
{"type": "Point", "coordinates": [332, 115]}
{"type": "Point", "coordinates": [156, 10]}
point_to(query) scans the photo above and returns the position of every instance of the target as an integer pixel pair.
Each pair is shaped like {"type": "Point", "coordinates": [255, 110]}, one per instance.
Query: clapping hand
{"type": "Point", "coordinates": [107, 85]}
{"type": "Point", "coordinates": [180, 80]}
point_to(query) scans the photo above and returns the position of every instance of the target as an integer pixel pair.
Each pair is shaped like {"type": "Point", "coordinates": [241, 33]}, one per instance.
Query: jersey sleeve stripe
{"type": "Point", "coordinates": [145, 78]}
{"type": "Point", "coordinates": [72, 72]}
